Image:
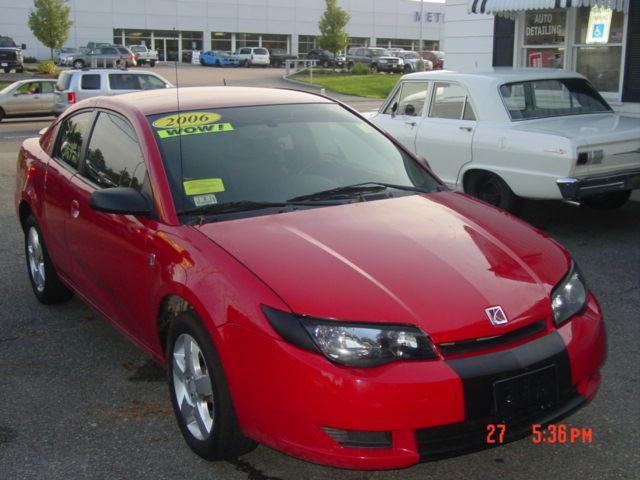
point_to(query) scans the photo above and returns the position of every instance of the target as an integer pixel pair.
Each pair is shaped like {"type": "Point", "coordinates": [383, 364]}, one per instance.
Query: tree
{"type": "Point", "coordinates": [49, 21]}
{"type": "Point", "coordinates": [333, 37]}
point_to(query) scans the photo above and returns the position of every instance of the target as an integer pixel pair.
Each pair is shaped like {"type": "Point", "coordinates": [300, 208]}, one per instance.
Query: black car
{"type": "Point", "coordinates": [11, 55]}
{"type": "Point", "coordinates": [325, 58]}
{"type": "Point", "coordinates": [279, 56]}
{"type": "Point", "coordinates": [378, 59]}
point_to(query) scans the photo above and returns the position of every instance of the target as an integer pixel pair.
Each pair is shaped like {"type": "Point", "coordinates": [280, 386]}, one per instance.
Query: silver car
{"type": "Point", "coordinates": [105, 56]}
{"type": "Point", "coordinates": [26, 98]}
{"type": "Point", "coordinates": [76, 85]}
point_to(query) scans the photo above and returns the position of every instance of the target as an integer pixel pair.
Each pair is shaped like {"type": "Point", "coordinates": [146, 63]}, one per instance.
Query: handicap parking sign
{"type": "Point", "coordinates": [598, 30]}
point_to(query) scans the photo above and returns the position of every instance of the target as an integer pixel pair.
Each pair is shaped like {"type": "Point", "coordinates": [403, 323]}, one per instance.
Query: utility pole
{"type": "Point", "coordinates": [421, 25]}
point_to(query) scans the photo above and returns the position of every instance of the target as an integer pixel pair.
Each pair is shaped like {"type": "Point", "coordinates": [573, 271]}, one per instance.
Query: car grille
{"type": "Point", "coordinates": [7, 55]}
{"type": "Point", "coordinates": [476, 344]}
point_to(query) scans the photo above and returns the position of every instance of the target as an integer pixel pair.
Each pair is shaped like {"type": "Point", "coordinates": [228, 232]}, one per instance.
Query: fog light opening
{"type": "Point", "coordinates": [359, 439]}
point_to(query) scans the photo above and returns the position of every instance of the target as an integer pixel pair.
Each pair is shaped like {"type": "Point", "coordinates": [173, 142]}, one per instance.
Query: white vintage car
{"type": "Point", "coordinates": [510, 133]}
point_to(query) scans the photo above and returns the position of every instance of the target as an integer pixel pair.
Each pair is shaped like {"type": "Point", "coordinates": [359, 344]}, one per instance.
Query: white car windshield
{"type": "Point", "coordinates": [551, 98]}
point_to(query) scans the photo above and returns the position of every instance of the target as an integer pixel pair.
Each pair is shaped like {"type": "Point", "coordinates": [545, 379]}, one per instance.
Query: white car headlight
{"type": "Point", "coordinates": [570, 296]}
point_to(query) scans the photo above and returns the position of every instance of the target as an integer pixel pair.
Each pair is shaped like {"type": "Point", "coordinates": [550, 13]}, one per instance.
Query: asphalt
{"type": "Point", "coordinates": [77, 400]}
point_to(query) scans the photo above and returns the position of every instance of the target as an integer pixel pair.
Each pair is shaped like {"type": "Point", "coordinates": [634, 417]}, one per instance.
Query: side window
{"type": "Point", "coordinates": [30, 88]}
{"type": "Point", "coordinates": [114, 158]}
{"type": "Point", "coordinates": [149, 82]}
{"type": "Point", "coordinates": [46, 87]}
{"type": "Point", "coordinates": [412, 99]}
{"type": "Point", "coordinates": [90, 82]}
{"type": "Point", "coordinates": [451, 101]}
{"type": "Point", "coordinates": [71, 136]}
{"type": "Point", "coordinates": [396, 96]}
{"type": "Point", "coordinates": [124, 81]}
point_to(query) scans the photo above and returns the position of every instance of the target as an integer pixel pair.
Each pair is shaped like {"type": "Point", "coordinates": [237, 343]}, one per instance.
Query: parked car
{"type": "Point", "coordinates": [301, 275]}
{"type": "Point", "coordinates": [413, 62]}
{"type": "Point", "coordinates": [378, 59]}
{"type": "Point", "coordinates": [218, 58]}
{"type": "Point", "coordinates": [24, 98]}
{"type": "Point", "coordinates": [76, 85]}
{"type": "Point", "coordinates": [326, 59]}
{"type": "Point", "coordinates": [435, 57]}
{"type": "Point", "coordinates": [106, 56]}
{"type": "Point", "coordinates": [509, 133]}
{"type": "Point", "coordinates": [93, 45]}
{"type": "Point", "coordinates": [144, 55]}
{"type": "Point", "coordinates": [279, 56]}
{"type": "Point", "coordinates": [64, 56]}
{"type": "Point", "coordinates": [250, 56]}
{"type": "Point", "coordinates": [11, 57]}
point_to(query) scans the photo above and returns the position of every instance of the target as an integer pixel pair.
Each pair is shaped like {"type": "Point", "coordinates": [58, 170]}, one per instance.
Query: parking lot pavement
{"type": "Point", "coordinates": [77, 400]}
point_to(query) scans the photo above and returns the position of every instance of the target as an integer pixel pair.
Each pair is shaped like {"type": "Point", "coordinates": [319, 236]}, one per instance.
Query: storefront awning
{"type": "Point", "coordinates": [504, 6]}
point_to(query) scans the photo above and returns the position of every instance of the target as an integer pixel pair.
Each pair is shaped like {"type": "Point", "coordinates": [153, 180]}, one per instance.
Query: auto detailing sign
{"type": "Point", "coordinates": [599, 25]}
{"type": "Point", "coordinates": [544, 27]}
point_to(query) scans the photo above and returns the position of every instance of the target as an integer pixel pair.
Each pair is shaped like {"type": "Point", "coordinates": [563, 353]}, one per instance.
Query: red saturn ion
{"type": "Point", "coordinates": [308, 283]}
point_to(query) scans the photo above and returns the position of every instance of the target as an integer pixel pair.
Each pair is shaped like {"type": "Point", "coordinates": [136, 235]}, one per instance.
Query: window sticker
{"type": "Point", "coordinates": [203, 186]}
{"type": "Point", "coordinates": [195, 130]}
{"type": "Point", "coordinates": [186, 119]}
{"type": "Point", "coordinates": [203, 200]}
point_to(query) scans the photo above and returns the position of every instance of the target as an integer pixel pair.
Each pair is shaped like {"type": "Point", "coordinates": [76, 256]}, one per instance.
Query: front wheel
{"type": "Point", "coordinates": [491, 189]}
{"type": "Point", "coordinates": [607, 201]}
{"type": "Point", "coordinates": [152, 63]}
{"type": "Point", "coordinates": [45, 282]}
{"type": "Point", "coordinates": [199, 392]}
{"type": "Point", "coordinates": [374, 68]}
{"type": "Point", "coordinates": [7, 70]}
{"type": "Point", "coordinates": [78, 64]}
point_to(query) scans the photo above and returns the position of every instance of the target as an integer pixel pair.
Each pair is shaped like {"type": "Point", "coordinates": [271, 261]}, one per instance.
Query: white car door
{"type": "Point", "coordinates": [445, 135]}
{"type": "Point", "coordinates": [403, 114]}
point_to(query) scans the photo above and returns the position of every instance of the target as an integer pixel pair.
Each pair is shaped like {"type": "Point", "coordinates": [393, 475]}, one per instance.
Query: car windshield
{"type": "Point", "coordinates": [379, 52]}
{"type": "Point", "coordinates": [551, 98]}
{"type": "Point", "coordinates": [407, 55]}
{"type": "Point", "coordinates": [275, 153]}
{"type": "Point", "coordinates": [138, 49]}
{"type": "Point", "coordinates": [6, 42]}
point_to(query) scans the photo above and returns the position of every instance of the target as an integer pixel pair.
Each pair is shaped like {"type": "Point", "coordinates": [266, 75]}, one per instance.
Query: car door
{"type": "Point", "coordinates": [109, 252]}
{"type": "Point", "coordinates": [47, 97]}
{"type": "Point", "coordinates": [58, 204]}
{"type": "Point", "coordinates": [403, 113]}
{"type": "Point", "coordinates": [445, 135]}
{"type": "Point", "coordinates": [25, 100]}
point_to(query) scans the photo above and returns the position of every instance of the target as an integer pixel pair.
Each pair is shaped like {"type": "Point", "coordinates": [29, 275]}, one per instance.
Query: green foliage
{"type": "Point", "coordinates": [48, 68]}
{"type": "Point", "coordinates": [361, 69]}
{"type": "Point", "coordinates": [49, 21]}
{"type": "Point", "coordinates": [333, 36]}
{"type": "Point", "coordinates": [30, 60]}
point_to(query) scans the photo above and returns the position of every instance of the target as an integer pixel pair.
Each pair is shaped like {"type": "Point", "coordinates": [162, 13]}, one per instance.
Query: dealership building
{"type": "Point", "coordinates": [598, 38]}
{"type": "Point", "coordinates": [175, 26]}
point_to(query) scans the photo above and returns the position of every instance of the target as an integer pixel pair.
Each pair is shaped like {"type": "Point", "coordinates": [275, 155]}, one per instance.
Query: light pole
{"type": "Point", "coordinates": [421, 25]}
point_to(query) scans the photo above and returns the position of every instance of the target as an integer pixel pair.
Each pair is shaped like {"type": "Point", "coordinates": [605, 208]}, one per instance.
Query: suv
{"type": "Point", "coordinates": [249, 56]}
{"type": "Point", "coordinates": [76, 85]}
{"type": "Point", "coordinates": [11, 55]}
{"type": "Point", "coordinates": [413, 62]}
{"type": "Point", "coordinates": [279, 57]}
{"type": "Point", "coordinates": [105, 56]}
{"type": "Point", "coordinates": [378, 59]}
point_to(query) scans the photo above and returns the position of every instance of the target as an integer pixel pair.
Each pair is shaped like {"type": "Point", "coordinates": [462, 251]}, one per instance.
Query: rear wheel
{"type": "Point", "coordinates": [199, 392]}
{"type": "Point", "coordinates": [78, 64]}
{"type": "Point", "coordinates": [7, 70]}
{"type": "Point", "coordinates": [491, 189]}
{"type": "Point", "coordinates": [607, 201]}
{"type": "Point", "coordinates": [45, 282]}
{"type": "Point", "coordinates": [407, 69]}
{"type": "Point", "coordinates": [374, 68]}
{"type": "Point", "coordinates": [152, 63]}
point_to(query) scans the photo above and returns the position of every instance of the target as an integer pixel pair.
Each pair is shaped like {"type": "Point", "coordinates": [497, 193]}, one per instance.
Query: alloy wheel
{"type": "Point", "coordinates": [192, 387]}
{"type": "Point", "coordinates": [36, 259]}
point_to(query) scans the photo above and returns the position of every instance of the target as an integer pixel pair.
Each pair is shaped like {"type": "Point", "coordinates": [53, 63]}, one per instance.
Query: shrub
{"type": "Point", "coordinates": [30, 60]}
{"type": "Point", "coordinates": [48, 68]}
{"type": "Point", "coordinates": [360, 69]}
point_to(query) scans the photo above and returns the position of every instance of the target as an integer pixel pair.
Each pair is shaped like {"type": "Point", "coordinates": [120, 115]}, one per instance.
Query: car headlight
{"type": "Point", "coordinates": [352, 344]}
{"type": "Point", "coordinates": [570, 296]}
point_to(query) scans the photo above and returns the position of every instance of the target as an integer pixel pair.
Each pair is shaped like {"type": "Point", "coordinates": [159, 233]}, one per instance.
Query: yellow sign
{"type": "Point", "coordinates": [203, 186]}
{"type": "Point", "coordinates": [186, 119]}
{"type": "Point", "coordinates": [195, 130]}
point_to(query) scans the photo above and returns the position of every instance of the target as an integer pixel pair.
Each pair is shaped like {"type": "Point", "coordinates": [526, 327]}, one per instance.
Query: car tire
{"type": "Point", "coordinates": [202, 62]}
{"type": "Point", "coordinates": [607, 201]}
{"type": "Point", "coordinates": [199, 392]}
{"type": "Point", "coordinates": [20, 70]}
{"type": "Point", "coordinates": [217, 63]}
{"type": "Point", "coordinates": [2, 114]}
{"type": "Point", "coordinates": [407, 69]}
{"type": "Point", "coordinates": [47, 286]}
{"type": "Point", "coordinates": [78, 64]}
{"type": "Point", "coordinates": [325, 64]}
{"type": "Point", "coordinates": [7, 70]}
{"type": "Point", "coordinates": [152, 63]}
{"type": "Point", "coordinates": [349, 66]}
{"type": "Point", "coordinates": [492, 189]}
{"type": "Point", "coordinates": [374, 68]}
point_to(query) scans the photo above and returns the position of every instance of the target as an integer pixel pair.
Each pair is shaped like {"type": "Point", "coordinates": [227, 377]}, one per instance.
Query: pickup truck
{"type": "Point", "coordinates": [11, 55]}
{"type": "Point", "coordinates": [144, 55]}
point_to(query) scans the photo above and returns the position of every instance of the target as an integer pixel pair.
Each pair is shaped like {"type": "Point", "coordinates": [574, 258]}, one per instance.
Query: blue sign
{"type": "Point", "coordinates": [598, 30]}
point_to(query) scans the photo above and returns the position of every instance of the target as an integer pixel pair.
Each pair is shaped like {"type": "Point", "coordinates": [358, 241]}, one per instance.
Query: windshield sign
{"type": "Point", "coordinates": [248, 156]}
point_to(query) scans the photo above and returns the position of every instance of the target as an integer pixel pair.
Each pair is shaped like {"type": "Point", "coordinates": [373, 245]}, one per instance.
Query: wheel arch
{"type": "Point", "coordinates": [24, 211]}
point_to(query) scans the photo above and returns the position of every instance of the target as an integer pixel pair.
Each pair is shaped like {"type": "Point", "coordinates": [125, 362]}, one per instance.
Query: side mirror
{"type": "Point", "coordinates": [23, 46]}
{"type": "Point", "coordinates": [423, 161]}
{"type": "Point", "coordinates": [394, 109]}
{"type": "Point", "coordinates": [120, 200]}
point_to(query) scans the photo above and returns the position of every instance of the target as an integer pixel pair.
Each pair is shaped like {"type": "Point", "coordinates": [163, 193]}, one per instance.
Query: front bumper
{"type": "Point", "coordinates": [431, 409]}
{"type": "Point", "coordinates": [390, 67]}
{"type": "Point", "coordinates": [578, 188]}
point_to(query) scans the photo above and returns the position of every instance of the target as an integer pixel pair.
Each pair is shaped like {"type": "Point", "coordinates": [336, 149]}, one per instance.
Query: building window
{"type": "Point", "coordinates": [221, 41]}
{"type": "Point", "coordinates": [306, 43]}
{"type": "Point", "coordinates": [247, 40]}
{"type": "Point", "coordinates": [273, 42]}
{"type": "Point", "coordinates": [598, 46]}
{"type": "Point", "coordinates": [358, 42]}
{"type": "Point", "coordinates": [406, 44]}
{"type": "Point", "coordinates": [544, 38]}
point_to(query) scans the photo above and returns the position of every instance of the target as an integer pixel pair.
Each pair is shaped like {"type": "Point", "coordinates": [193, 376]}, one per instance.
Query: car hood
{"type": "Point", "coordinates": [436, 261]}
{"type": "Point", "coordinates": [587, 129]}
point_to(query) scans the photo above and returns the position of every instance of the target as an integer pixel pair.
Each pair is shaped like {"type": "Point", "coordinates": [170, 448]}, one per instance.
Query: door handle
{"type": "Point", "coordinates": [74, 211]}
{"type": "Point", "coordinates": [413, 124]}
{"type": "Point", "coordinates": [468, 129]}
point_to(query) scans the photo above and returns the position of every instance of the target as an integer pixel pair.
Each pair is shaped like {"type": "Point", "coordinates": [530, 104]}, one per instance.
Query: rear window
{"type": "Point", "coordinates": [64, 80]}
{"type": "Point", "coordinates": [124, 81]}
{"type": "Point", "coordinates": [90, 82]}
{"type": "Point", "coordinates": [123, 50]}
{"type": "Point", "coordinates": [261, 51]}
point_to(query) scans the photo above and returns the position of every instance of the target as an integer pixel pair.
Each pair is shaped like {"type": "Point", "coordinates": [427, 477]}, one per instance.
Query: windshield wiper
{"type": "Point", "coordinates": [357, 189]}
{"type": "Point", "coordinates": [245, 206]}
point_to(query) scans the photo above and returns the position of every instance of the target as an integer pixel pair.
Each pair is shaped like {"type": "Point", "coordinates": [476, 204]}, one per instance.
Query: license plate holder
{"type": "Point", "coordinates": [526, 393]}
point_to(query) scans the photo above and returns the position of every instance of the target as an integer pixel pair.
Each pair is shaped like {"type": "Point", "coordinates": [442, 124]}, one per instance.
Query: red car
{"type": "Point", "coordinates": [307, 282]}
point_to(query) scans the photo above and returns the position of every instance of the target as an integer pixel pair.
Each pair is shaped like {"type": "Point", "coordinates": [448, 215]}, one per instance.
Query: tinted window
{"type": "Point", "coordinates": [109, 51]}
{"type": "Point", "coordinates": [124, 81]}
{"type": "Point", "coordinates": [90, 82]}
{"type": "Point", "coordinates": [113, 157]}
{"type": "Point", "coordinates": [123, 51]}
{"type": "Point", "coordinates": [449, 101]}
{"type": "Point", "coordinates": [245, 51]}
{"type": "Point", "coordinates": [72, 135]}
{"type": "Point", "coordinates": [260, 51]}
